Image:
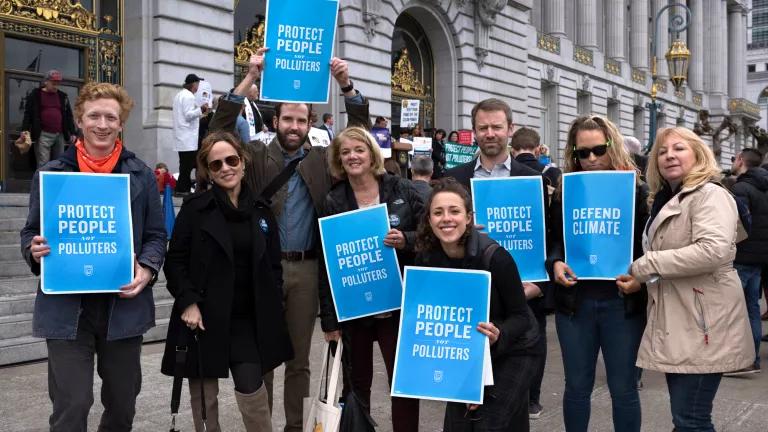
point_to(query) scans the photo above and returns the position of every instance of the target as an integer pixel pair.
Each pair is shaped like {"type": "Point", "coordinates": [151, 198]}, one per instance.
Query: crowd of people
{"type": "Point", "coordinates": [244, 264]}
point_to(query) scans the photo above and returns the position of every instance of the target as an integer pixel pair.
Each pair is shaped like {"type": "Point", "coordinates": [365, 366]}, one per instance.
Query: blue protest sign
{"type": "Point", "coordinates": [363, 273]}
{"type": "Point", "coordinates": [300, 36]}
{"type": "Point", "coordinates": [86, 219]}
{"type": "Point", "coordinates": [599, 222]}
{"type": "Point", "coordinates": [512, 211]}
{"type": "Point", "coordinates": [440, 353]}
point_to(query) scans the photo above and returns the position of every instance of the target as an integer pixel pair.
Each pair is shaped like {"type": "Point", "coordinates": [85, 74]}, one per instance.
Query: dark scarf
{"type": "Point", "coordinates": [662, 198]}
{"type": "Point", "coordinates": [245, 203]}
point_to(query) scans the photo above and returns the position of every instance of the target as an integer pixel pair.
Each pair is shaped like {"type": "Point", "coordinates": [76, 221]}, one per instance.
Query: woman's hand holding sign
{"type": "Point", "coordinates": [628, 284]}
{"type": "Point", "coordinates": [564, 275]}
{"type": "Point", "coordinates": [489, 329]}
{"type": "Point", "coordinates": [39, 248]}
{"type": "Point", "coordinates": [395, 238]}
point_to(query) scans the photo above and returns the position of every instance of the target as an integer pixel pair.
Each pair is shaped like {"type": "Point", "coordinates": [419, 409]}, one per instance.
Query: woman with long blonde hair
{"type": "Point", "coordinates": [597, 315]}
{"type": "Point", "coordinates": [697, 317]}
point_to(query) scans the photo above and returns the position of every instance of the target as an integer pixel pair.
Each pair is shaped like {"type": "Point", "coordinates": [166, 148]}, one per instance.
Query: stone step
{"type": "Point", "coordinates": [12, 224]}
{"type": "Point", "coordinates": [9, 252]}
{"type": "Point", "coordinates": [13, 269]}
{"type": "Point", "coordinates": [13, 212]}
{"type": "Point", "coordinates": [10, 238]}
{"type": "Point", "coordinates": [13, 326]}
{"type": "Point", "coordinates": [28, 348]}
{"type": "Point", "coordinates": [26, 284]}
{"type": "Point", "coordinates": [14, 200]}
{"type": "Point", "coordinates": [18, 325]}
{"type": "Point", "coordinates": [17, 304]}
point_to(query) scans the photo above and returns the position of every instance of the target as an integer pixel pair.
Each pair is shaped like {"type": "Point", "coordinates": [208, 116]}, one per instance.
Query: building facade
{"type": "Point", "coordinates": [552, 60]}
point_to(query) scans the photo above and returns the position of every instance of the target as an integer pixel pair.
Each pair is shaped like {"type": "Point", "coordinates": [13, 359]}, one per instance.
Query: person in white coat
{"type": "Point", "coordinates": [186, 124]}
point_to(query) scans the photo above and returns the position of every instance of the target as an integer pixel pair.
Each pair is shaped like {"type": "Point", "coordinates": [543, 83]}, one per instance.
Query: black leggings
{"type": "Point", "coordinates": [247, 377]}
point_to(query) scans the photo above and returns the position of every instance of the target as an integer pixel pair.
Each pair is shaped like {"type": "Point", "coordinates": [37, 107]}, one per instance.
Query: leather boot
{"type": "Point", "coordinates": [211, 386]}
{"type": "Point", "coordinates": [255, 410]}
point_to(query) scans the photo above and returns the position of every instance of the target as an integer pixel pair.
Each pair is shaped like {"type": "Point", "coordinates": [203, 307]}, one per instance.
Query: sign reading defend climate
{"type": "Point", "coordinates": [363, 273]}
{"type": "Point", "coordinates": [86, 219]}
{"type": "Point", "coordinates": [440, 354]}
{"type": "Point", "coordinates": [599, 222]}
{"type": "Point", "coordinates": [300, 36]}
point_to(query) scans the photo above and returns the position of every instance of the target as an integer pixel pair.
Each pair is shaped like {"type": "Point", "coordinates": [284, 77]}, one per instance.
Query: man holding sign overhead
{"type": "Point", "coordinates": [109, 327]}
{"type": "Point", "coordinates": [295, 175]}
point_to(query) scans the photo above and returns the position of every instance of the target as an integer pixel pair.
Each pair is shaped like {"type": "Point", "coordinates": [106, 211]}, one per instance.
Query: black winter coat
{"type": "Point", "coordinates": [509, 310]}
{"type": "Point", "coordinates": [568, 300]}
{"type": "Point", "coordinates": [752, 188]}
{"type": "Point", "coordinates": [405, 208]}
{"type": "Point", "coordinates": [200, 269]}
{"type": "Point", "coordinates": [31, 121]}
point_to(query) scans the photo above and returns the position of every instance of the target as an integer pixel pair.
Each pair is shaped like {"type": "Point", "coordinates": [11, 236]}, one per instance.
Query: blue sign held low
{"type": "Point", "coordinates": [86, 219]}
{"type": "Point", "coordinates": [363, 273]}
{"type": "Point", "coordinates": [512, 211]}
{"type": "Point", "coordinates": [599, 222]}
{"type": "Point", "coordinates": [440, 354]}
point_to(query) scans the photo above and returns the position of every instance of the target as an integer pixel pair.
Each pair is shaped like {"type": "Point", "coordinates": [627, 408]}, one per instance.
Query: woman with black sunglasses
{"type": "Point", "coordinates": [594, 315]}
{"type": "Point", "coordinates": [223, 268]}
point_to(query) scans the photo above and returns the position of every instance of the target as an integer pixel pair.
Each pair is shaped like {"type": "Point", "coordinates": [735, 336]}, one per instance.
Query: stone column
{"type": "Point", "coordinates": [586, 24]}
{"type": "Point", "coordinates": [714, 56]}
{"type": "Point", "coordinates": [639, 35]}
{"type": "Point", "coordinates": [737, 43]}
{"type": "Point", "coordinates": [614, 14]}
{"type": "Point", "coordinates": [696, 46]}
{"type": "Point", "coordinates": [661, 30]}
{"type": "Point", "coordinates": [554, 17]}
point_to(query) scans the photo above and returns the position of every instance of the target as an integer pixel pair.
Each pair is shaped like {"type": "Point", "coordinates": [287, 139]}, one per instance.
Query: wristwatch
{"type": "Point", "coordinates": [350, 87]}
{"type": "Point", "coordinates": [152, 281]}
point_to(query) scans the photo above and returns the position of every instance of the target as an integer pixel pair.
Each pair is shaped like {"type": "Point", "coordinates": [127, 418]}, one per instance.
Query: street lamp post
{"type": "Point", "coordinates": [677, 57]}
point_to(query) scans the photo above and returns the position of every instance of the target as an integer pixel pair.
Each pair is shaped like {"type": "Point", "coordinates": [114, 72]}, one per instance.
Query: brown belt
{"type": "Point", "coordinates": [298, 255]}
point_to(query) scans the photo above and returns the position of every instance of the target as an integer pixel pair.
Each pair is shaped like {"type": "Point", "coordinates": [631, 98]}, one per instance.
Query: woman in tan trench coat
{"type": "Point", "coordinates": [697, 319]}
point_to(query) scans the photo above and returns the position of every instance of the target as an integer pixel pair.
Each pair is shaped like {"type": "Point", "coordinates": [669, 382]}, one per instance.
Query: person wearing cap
{"type": "Point", "coordinates": [48, 119]}
{"type": "Point", "coordinates": [186, 126]}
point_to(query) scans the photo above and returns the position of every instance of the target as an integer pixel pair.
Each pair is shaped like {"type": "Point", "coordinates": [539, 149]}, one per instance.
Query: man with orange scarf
{"type": "Point", "coordinates": [109, 327]}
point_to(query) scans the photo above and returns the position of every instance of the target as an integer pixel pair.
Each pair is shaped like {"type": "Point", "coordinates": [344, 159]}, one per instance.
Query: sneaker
{"type": "Point", "coordinates": [746, 371]}
{"type": "Point", "coordinates": [534, 410]}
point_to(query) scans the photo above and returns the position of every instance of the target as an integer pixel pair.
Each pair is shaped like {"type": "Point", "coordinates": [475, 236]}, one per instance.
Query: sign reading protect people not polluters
{"type": "Point", "coordinates": [512, 211]}
{"type": "Point", "coordinates": [440, 354]}
{"type": "Point", "coordinates": [300, 35]}
{"type": "Point", "coordinates": [599, 222]}
{"type": "Point", "coordinates": [86, 219]}
{"type": "Point", "coordinates": [363, 273]}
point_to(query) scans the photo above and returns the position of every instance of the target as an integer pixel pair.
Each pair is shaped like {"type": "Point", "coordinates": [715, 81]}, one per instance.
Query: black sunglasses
{"type": "Point", "coordinates": [598, 151]}
{"type": "Point", "coordinates": [232, 161]}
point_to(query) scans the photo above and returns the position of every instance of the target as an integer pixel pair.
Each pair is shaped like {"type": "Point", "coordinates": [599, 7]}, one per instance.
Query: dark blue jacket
{"type": "Point", "coordinates": [56, 316]}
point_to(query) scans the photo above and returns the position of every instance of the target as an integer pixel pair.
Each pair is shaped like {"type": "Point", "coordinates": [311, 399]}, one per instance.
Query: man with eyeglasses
{"type": "Point", "coordinates": [751, 188]}
{"type": "Point", "coordinates": [493, 127]}
{"type": "Point", "coordinates": [295, 175]}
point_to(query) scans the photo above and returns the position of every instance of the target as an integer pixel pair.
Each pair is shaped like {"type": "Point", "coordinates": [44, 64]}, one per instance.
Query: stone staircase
{"type": "Point", "coordinates": [18, 287]}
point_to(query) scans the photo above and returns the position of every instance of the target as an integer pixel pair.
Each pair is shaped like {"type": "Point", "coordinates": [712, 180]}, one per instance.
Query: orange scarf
{"type": "Point", "coordinates": [103, 165]}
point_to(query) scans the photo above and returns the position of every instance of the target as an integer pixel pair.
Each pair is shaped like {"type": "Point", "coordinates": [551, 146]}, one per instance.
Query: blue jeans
{"type": "Point", "coordinates": [750, 281]}
{"type": "Point", "coordinates": [691, 397]}
{"type": "Point", "coordinates": [600, 325]}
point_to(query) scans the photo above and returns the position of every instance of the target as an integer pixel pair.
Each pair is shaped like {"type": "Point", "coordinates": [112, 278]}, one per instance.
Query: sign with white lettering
{"type": "Point", "coordinates": [599, 222]}
{"type": "Point", "coordinates": [86, 219]}
{"type": "Point", "coordinates": [440, 353]}
{"type": "Point", "coordinates": [363, 273]}
{"type": "Point", "coordinates": [300, 36]}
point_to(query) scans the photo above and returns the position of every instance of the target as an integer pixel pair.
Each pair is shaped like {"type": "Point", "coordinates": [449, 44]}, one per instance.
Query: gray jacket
{"type": "Point", "coordinates": [56, 316]}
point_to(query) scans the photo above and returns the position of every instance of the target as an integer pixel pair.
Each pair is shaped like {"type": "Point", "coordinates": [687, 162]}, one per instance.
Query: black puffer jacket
{"type": "Point", "coordinates": [752, 188]}
{"type": "Point", "coordinates": [405, 208]}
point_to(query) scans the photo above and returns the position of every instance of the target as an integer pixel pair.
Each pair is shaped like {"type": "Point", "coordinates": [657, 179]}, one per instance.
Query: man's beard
{"type": "Point", "coordinates": [491, 149]}
{"type": "Point", "coordinates": [282, 138]}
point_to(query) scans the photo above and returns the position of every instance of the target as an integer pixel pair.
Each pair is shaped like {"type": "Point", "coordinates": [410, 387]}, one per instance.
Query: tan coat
{"type": "Point", "coordinates": [697, 317]}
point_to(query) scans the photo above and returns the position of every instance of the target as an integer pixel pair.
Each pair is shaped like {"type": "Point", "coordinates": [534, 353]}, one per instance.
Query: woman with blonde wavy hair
{"type": "Point", "coordinates": [597, 315]}
{"type": "Point", "coordinates": [697, 317]}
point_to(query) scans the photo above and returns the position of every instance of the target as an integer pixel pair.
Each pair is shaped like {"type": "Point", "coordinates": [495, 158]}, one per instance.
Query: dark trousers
{"type": "Point", "coordinates": [362, 334]}
{"type": "Point", "coordinates": [505, 404]}
{"type": "Point", "coordinates": [187, 162]}
{"type": "Point", "coordinates": [600, 325]}
{"type": "Point", "coordinates": [691, 397]}
{"type": "Point", "coordinates": [70, 380]}
{"type": "Point", "coordinates": [541, 349]}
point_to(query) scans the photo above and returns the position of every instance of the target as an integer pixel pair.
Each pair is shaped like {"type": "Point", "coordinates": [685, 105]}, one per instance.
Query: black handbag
{"type": "Point", "coordinates": [182, 348]}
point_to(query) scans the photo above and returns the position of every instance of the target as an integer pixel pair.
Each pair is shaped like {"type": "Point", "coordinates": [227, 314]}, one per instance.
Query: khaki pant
{"type": "Point", "coordinates": [301, 305]}
{"type": "Point", "coordinates": [49, 146]}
